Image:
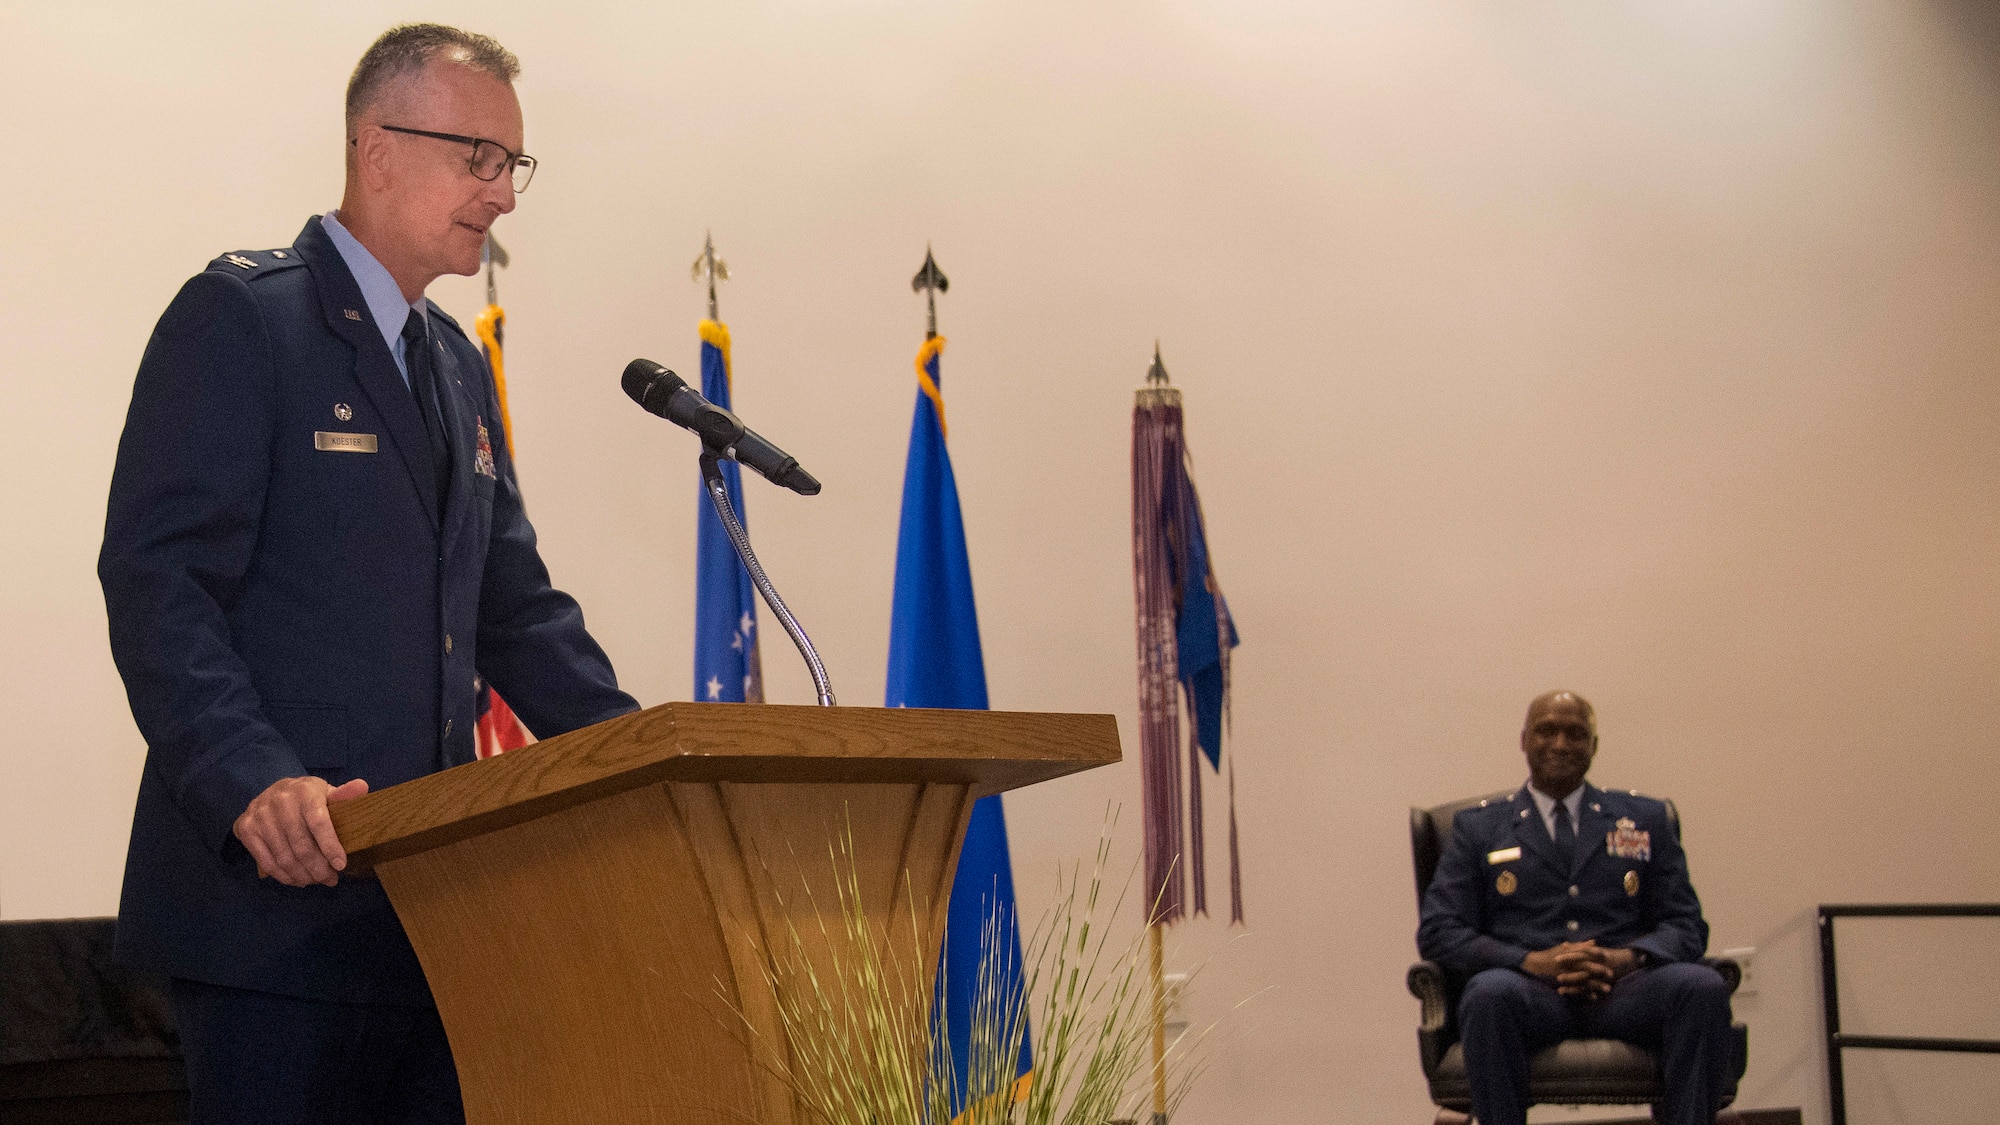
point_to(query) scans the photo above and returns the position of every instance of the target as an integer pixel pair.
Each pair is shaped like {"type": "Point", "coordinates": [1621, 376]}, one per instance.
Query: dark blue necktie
{"type": "Point", "coordinates": [1565, 834]}
{"type": "Point", "coordinates": [423, 384]}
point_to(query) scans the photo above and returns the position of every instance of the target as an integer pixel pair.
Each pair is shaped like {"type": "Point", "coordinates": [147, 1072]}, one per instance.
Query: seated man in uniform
{"type": "Point", "coordinates": [1559, 936]}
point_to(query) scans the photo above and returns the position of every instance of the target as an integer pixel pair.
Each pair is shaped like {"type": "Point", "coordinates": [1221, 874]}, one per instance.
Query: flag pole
{"type": "Point", "coordinates": [1158, 392]}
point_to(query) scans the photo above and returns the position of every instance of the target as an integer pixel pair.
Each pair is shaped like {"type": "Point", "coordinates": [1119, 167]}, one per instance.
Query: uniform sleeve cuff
{"type": "Point", "coordinates": [1651, 954]}
{"type": "Point", "coordinates": [215, 797]}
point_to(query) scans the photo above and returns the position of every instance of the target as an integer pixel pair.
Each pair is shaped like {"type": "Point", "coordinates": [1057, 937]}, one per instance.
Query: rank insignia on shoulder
{"type": "Point", "coordinates": [1626, 841]}
{"type": "Point", "coordinates": [239, 260]}
{"type": "Point", "coordinates": [482, 458]}
{"type": "Point", "coordinates": [1631, 882]}
{"type": "Point", "coordinates": [1506, 883]}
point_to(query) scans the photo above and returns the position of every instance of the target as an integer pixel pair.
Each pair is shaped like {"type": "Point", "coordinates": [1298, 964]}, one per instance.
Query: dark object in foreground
{"type": "Point", "coordinates": [1786, 1116]}
{"type": "Point", "coordinates": [83, 1041]}
{"type": "Point", "coordinates": [1838, 1041]}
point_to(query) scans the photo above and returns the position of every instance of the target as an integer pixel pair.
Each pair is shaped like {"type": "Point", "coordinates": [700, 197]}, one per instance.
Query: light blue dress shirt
{"type": "Point", "coordinates": [379, 291]}
{"type": "Point", "coordinates": [1547, 806]}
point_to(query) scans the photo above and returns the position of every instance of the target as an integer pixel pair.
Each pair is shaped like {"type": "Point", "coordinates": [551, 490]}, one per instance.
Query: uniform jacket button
{"type": "Point", "coordinates": [1573, 892]}
{"type": "Point", "coordinates": [1572, 925]}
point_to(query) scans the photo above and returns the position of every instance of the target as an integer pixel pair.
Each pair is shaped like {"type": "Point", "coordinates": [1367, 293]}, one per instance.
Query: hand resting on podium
{"type": "Point", "coordinates": [288, 831]}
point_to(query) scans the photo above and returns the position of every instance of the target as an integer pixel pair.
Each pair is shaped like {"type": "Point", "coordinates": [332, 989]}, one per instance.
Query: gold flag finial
{"type": "Point", "coordinates": [706, 264]}
{"type": "Point", "coordinates": [930, 281]}
{"type": "Point", "coordinates": [1158, 389]}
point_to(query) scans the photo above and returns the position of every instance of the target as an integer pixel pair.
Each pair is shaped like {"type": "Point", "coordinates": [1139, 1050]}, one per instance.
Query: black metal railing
{"type": "Point", "coordinates": [1838, 1041]}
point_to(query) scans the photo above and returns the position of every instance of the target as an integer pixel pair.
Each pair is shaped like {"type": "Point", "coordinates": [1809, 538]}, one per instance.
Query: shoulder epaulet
{"type": "Point", "coordinates": [256, 263]}
{"type": "Point", "coordinates": [1495, 805]}
{"type": "Point", "coordinates": [440, 314]}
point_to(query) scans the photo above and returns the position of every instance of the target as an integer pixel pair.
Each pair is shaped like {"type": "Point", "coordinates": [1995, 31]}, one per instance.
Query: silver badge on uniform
{"type": "Point", "coordinates": [343, 412]}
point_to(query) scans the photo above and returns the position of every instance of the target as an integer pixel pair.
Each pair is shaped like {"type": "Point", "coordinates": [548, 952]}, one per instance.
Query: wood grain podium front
{"type": "Point", "coordinates": [595, 912]}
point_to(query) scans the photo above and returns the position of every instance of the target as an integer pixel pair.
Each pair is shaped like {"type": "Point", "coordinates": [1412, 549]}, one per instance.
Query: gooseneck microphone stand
{"type": "Point", "coordinates": [718, 495]}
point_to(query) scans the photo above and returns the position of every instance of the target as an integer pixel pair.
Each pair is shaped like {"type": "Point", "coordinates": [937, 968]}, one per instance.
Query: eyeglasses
{"type": "Point", "coordinates": [489, 158]}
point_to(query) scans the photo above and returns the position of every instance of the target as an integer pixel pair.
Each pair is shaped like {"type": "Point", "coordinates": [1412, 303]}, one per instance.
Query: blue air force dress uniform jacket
{"type": "Point", "coordinates": [288, 594]}
{"type": "Point", "coordinates": [1502, 890]}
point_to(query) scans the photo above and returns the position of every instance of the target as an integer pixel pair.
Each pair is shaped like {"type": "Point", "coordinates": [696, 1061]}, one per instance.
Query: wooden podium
{"type": "Point", "coordinates": [595, 912]}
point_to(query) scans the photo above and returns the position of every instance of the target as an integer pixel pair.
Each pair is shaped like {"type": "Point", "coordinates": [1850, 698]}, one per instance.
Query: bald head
{"type": "Point", "coordinates": [1549, 699]}
{"type": "Point", "coordinates": [1559, 739]}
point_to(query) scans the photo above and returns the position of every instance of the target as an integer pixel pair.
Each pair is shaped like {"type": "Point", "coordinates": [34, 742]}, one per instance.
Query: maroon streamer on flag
{"type": "Point", "coordinates": [1184, 637]}
{"type": "Point", "coordinates": [1156, 437]}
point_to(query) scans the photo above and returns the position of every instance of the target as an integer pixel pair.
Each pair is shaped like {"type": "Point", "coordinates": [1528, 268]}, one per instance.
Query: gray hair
{"type": "Point", "coordinates": [404, 51]}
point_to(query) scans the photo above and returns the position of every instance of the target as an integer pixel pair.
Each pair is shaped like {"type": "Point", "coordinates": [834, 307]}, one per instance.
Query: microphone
{"type": "Point", "coordinates": [666, 394]}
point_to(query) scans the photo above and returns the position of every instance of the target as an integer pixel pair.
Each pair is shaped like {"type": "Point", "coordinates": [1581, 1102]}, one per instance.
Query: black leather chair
{"type": "Point", "coordinates": [1573, 1072]}
{"type": "Point", "coordinates": [83, 1041]}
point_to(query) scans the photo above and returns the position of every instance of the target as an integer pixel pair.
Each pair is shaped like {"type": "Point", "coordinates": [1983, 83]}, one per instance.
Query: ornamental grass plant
{"type": "Point", "coordinates": [861, 1047]}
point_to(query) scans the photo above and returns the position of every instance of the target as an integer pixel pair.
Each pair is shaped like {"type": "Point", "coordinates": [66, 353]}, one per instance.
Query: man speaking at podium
{"type": "Point", "coordinates": [315, 548]}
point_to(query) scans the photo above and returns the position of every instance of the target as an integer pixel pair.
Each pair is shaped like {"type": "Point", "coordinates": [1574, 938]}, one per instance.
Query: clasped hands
{"type": "Point", "coordinates": [289, 832]}
{"type": "Point", "coordinates": [1581, 969]}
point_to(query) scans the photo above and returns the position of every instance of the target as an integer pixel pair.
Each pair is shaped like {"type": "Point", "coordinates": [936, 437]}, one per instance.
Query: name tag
{"type": "Point", "coordinates": [1504, 855]}
{"type": "Point", "coordinates": [329, 442]}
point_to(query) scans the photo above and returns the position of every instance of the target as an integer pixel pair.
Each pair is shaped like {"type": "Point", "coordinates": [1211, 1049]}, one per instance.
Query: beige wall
{"type": "Point", "coordinates": [1644, 348]}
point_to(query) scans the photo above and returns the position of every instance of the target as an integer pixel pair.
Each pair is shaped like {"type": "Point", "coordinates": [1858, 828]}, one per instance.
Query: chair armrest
{"type": "Point", "coordinates": [1732, 973]}
{"type": "Point", "coordinates": [1426, 982]}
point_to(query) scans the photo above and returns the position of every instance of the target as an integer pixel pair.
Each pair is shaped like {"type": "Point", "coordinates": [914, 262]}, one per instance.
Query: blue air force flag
{"type": "Point", "coordinates": [726, 664]}
{"type": "Point", "coordinates": [935, 661]}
